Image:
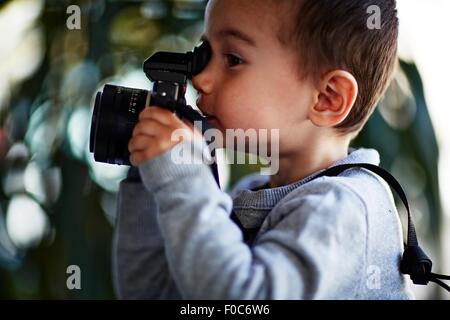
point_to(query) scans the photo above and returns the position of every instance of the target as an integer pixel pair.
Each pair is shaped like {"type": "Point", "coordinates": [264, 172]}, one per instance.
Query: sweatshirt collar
{"type": "Point", "coordinates": [266, 199]}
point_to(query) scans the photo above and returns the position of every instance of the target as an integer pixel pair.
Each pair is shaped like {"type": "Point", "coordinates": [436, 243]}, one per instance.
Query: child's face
{"type": "Point", "coordinates": [251, 85]}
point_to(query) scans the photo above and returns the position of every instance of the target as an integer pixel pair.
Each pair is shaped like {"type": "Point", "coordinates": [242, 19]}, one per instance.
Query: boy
{"type": "Point", "coordinates": [314, 71]}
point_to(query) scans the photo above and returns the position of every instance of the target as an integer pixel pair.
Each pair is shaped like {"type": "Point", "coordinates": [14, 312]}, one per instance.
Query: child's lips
{"type": "Point", "coordinates": [211, 119]}
{"type": "Point", "coordinates": [201, 105]}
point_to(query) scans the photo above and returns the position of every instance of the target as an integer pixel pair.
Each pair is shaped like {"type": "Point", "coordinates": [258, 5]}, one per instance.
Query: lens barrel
{"type": "Point", "coordinates": [116, 112]}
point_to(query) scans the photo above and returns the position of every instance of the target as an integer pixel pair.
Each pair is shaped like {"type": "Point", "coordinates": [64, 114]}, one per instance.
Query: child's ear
{"type": "Point", "coordinates": [337, 94]}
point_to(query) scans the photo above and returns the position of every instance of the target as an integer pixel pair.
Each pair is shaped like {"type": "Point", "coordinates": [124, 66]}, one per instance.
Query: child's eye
{"type": "Point", "coordinates": [233, 60]}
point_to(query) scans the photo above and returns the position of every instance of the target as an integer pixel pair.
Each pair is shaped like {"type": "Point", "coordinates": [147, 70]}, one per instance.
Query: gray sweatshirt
{"type": "Point", "coordinates": [331, 238]}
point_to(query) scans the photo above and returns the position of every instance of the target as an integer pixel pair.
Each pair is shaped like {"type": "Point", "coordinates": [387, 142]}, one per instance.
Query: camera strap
{"type": "Point", "coordinates": [414, 263]}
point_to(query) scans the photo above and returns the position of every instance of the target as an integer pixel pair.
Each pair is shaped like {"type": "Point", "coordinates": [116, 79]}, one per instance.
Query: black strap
{"type": "Point", "coordinates": [414, 262]}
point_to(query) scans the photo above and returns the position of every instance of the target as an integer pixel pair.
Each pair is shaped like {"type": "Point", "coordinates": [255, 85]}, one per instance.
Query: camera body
{"type": "Point", "coordinates": [116, 109]}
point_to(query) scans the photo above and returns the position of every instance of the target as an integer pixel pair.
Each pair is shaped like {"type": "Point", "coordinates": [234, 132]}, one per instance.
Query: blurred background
{"type": "Point", "coordinates": [57, 206]}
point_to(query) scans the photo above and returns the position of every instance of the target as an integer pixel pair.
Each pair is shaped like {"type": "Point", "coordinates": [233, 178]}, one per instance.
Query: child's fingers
{"type": "Point", "coordinates": [156, 132]}
{"type": "Point", "coordinates": [140, 142]}
{"type": "Point", "coordinates": [155, 148]}
{"type": "Point", "coordinates": [159, 114]}
{"type": "Point", "coordinates": [149, 127]}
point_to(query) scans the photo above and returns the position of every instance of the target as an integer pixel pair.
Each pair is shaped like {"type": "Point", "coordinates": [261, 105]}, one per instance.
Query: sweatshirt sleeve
{"type": "Point", "coordinates": [209, 259]}
{"type": "Point", "coordinates": [140, 266]}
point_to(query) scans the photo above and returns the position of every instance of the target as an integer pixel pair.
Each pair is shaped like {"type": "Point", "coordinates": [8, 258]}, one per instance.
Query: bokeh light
{"type": "Point", "coordinates": [26, 222]}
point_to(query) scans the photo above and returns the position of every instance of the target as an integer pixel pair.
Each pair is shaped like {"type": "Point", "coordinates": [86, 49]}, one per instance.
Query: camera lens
{"type": "Point", "coordinates": [116, 112]}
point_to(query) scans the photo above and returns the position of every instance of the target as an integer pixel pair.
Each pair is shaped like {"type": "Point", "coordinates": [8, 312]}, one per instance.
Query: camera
{"type": "Point", "coordinates": [116, 109]}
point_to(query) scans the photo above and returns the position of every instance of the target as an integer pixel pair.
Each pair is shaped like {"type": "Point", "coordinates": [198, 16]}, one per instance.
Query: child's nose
{"type": "Point", "coordinates": [204, 81]}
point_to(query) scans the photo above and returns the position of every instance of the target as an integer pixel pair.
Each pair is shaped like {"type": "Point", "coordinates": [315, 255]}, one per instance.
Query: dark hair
{"type": "Point", "coordinates": [334, 34]}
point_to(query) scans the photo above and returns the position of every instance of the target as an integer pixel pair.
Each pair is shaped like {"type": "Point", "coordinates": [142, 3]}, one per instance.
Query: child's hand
{"type": "Point", "coordinates": [152, 135]}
